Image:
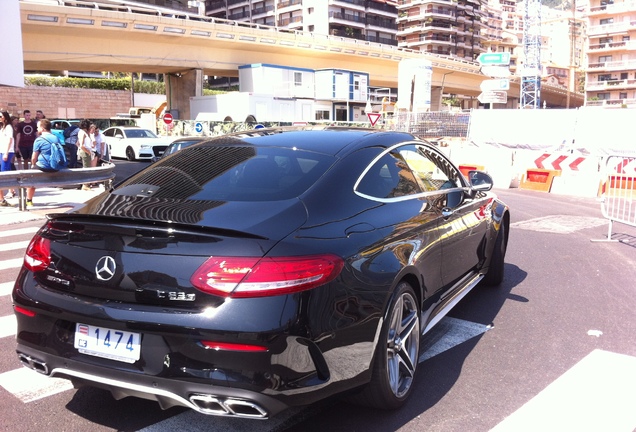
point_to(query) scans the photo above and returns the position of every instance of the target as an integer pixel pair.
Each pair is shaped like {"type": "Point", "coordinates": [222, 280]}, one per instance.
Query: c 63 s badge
{"type": "Point", "coordinates": [176, 296]}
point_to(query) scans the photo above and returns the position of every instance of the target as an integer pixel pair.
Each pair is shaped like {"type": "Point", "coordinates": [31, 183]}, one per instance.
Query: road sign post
{"type": "Point", "coordinates": [495, 84]}
{"type": "Point", "coordinates": [167, 118]}
{"type": "Point", "coordinates": [498, 58]}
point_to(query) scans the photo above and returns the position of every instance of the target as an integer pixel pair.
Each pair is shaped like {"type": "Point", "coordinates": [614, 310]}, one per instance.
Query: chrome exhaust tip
{"type": "Point", "coordinates": [34, 364]}
{"type": "Point", "coordinates": [213, 405]}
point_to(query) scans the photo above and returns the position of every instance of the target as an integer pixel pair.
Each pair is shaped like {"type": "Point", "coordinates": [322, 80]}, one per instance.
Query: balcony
{"type": "Point", "coordinates": [347, 19]}
{"type": "Point", "coordinates": [613, 46]}
{"type": "Point", "coordinates": [612, 9]}
{"type": "Point", "coordinates": [385, 41]}
{"type": "Point", "coordinates": [356, 4]}
{"type": "Point", "coordinates": [608, 29]}
{"type": "Point", "coordinates": [236, 2]}
{"type": "Point", "coordinates": [383, 9]}
{"type": "Point", "coordinates": [611, 66]}
{"type": "Point", "coordinates": [258, 12]}
{"type": "Point", "coordinates": [612, 103]}
{"type": "Point", "coordinates": [238, 16]}
{"type": "Point", "coordinates": [285, 22]}
{"type": "Point", "coordinates": [288, 3]}
{"type": "Point", "coordinates": [216, 6]}
{"type": "Point", "coordinates": [381, 23]}
{"type": "Point", "coordinates": [608, 85]}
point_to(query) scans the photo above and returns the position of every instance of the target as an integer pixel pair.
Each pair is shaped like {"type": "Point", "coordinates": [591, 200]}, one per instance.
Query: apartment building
{"type": "Point", "coordinates": [450, 27]}
{"type": "Point", "coordinates": [370, 20]}
{"type": "Point", "coordinates": [611, 57]}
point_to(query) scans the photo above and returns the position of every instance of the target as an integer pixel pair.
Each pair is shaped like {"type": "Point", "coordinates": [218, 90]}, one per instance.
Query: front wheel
{"type": "Point", "coordinates": [130, 154]}
{"type": "Point", "coordinates": [397, 356]}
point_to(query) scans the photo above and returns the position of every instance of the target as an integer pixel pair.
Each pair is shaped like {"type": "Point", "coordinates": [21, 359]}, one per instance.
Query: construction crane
{"type": "Point", "coordinates": [531, 70]}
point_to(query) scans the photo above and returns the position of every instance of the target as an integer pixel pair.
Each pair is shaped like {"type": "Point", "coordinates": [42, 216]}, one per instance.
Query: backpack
{"type": "Point", "coordinates": [69, 132]}
{"type": "Point", "coordinates": [57, 160]}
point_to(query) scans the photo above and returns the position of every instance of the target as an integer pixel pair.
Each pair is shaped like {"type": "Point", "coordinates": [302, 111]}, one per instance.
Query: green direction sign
{"type": "Point", "coordinates": [498, 58]}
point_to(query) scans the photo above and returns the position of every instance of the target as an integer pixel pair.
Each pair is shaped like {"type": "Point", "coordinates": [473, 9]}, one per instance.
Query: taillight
{"type": "Point", "coordinates": [38, 254]}
{"type": "Point", "coordinates": [259, 277]}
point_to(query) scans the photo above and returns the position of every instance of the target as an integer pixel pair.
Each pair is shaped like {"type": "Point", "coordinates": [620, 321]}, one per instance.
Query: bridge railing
{"type": "Point", "coordinates": [22, 179]}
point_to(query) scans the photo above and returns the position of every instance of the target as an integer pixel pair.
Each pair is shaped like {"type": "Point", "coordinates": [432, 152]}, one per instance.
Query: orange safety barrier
{"type": "Point", "coordinates": [539, 179]}
{"type": "Point", "coordinates": [617, 181]}
{"type": "Point", "coordinates": [464, 168]}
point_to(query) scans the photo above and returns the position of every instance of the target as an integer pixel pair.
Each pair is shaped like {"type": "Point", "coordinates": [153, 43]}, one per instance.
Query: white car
{"type": "Point", "coordinates": [134, 143]}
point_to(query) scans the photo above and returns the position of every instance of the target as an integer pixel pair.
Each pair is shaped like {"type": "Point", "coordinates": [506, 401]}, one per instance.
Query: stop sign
{"type": "Point", "coordinates": [167, 118]}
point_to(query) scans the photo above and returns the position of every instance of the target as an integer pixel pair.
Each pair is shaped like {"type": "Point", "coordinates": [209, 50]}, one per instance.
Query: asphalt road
{"type": "Point", "coordinates": [552, 349]}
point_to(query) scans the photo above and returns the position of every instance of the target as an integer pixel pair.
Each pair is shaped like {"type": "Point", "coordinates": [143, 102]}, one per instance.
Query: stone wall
{"type": "Point", "coordinates": [62, 102]}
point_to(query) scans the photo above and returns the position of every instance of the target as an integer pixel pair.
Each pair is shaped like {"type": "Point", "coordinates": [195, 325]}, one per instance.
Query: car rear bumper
{"type": "Point", "coordinates": [204, 398]}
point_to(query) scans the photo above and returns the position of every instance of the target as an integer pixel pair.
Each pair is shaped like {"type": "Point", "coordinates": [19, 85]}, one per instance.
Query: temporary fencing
{"type": "Point", "coordinates": [619, 191]}
{"type": "Point", "coordinates": [431, 124]}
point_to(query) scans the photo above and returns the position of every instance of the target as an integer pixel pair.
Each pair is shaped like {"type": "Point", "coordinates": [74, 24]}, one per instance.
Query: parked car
{"type": "Point", "coordinates": [261, 270]}
{"type": "Point", "coordinates": [178, 144]}
{"type": "Point", "coordinates": [132, 142]}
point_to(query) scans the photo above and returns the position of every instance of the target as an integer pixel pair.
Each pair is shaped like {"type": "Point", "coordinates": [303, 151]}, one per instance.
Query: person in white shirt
{"type": "Point", "coordinates": [7, 149]}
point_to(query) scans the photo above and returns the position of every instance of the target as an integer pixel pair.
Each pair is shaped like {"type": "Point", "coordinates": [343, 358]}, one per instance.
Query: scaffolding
{"type": "Point", "coordinates": [531, 71]}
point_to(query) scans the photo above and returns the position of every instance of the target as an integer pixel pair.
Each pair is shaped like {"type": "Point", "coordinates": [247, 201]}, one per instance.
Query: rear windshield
{"type": "Point", "coordinates": [229, 173]}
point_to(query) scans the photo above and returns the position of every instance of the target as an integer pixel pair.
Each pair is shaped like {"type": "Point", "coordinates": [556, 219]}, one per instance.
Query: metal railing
{"type": "Point", "coordinates": [22, 179]}
{"type": "Point", "coordinates": [619, 192]}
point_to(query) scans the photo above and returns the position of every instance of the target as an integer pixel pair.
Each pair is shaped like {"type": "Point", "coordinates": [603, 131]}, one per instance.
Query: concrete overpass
{"type": "Point", "coordinates": [88, 36]}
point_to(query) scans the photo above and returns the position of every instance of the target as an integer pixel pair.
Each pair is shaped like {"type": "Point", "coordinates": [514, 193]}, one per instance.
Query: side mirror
{"type": "Point", "coordinates": [480, 181]}
{"type": "Point", "coordinates": [119, 136]}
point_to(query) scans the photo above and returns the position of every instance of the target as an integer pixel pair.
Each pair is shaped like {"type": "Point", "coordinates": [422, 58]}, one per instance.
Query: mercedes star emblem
{"type": "Point", "coordinates": [105, 268]}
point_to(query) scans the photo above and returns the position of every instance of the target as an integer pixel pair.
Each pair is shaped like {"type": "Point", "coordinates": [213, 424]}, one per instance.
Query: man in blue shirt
{"type": "Point", "coordinates": [41, 158]}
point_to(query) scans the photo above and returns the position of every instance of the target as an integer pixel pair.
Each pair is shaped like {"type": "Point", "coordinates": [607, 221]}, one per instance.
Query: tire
{"type": "Point", "coordinates": [130, 154]}
{"type": "Point", "coordinates": [397, 355]}
{"type": "Point", "coordinates": [495, 274]}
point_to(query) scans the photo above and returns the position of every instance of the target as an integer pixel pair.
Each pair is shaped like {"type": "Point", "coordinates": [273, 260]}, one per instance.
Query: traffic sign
{"type": "Point", "coordinates": [499, 58]}
{"type": "Point", "coordinates": [495, 71]}
{"type": "Point", "coordinates": [198, 127]}
{"type": "Point", "coordinates": [493, 96]}
{"type": "Point", "coordinates": [373, 117]}
{"type": "Point", "coordinates": [495, 84]}
{"type": "Point", "coordinates": [167, 118]}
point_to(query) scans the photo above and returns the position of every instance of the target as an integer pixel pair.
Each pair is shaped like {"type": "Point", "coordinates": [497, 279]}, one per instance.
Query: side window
{"type": "Point", "coordinates": [388, 177]}
{"type": "Point", "coordinates": [434, 173]}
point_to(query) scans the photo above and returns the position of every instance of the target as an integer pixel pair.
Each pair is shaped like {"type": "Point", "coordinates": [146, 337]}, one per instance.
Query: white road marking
{"type": "Point", "coordinates": [559, 224]}
{"type": "Point", "coordinates": [8, 326]}
{"type": "Point", "coordinates": [18, 231]}
{"type": "Point", "coordinates": [11, 263]}
{"type": "Point", "coordinates": [597, 394]}
{"type": "Point", "coordinates": [14, 245]}
{"type": "Point", "coordinates": [28, 385]}
{"type": "Point", "coordinates": [449, 332]}
{"type": "Point", "coordinates": [6, 288]}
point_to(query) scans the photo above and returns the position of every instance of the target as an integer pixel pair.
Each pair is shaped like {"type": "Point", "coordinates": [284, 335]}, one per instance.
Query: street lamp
{"type": "Point", "coordinates": [441, 92]}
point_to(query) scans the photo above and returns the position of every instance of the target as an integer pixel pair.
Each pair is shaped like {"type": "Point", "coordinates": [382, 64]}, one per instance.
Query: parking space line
{"type": "Point", "coordinates": [449, 332]}
{"type": "Point", "coordinates": [596, 394]}
{"type": "Point", "coordinates": [28, 385]}
{"type": "Point", "coordinates": [8, 326]}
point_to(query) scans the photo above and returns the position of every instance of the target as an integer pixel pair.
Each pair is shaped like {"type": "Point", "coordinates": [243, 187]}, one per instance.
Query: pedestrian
{"type": "Point", "coordinates": [7, 150]}
{"type": "Point", "coordinates": [27, 132]}
{"type": "Point", "coordinates": [99, 144]}
{"type": "Point", "coordinates": [70, 141]}
{"type": "Point", "coordinates": [17, 160]}
{"type": "Point", "coordinates": [39, 115]}
{"type": "Point", "coordinates": [41, 157]}
{"type": "Point", "coordinates": [85, 151]}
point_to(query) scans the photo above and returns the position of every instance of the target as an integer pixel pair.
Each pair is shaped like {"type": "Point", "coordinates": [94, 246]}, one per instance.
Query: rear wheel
{"type": "Point", "coordinates": [396, 359]}
{"type": "Point", "coordinates": [130, 154]}
{"type": "Point", "coordinates": [495, 273]}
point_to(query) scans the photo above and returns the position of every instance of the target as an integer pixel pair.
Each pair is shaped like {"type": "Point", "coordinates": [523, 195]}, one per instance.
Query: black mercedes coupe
{"type": "Point", "coordinates": [261, 270]}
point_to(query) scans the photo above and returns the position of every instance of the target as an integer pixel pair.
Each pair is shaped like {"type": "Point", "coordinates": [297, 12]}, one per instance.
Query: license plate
{"type": "Point", "coordinates": [112, 344]}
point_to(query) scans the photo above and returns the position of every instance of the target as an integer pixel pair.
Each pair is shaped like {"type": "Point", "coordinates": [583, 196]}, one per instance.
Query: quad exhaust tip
{"type": "Point", "coordinates": [212, 405]}
{"type": "Point", "coordinates": [34, 364]}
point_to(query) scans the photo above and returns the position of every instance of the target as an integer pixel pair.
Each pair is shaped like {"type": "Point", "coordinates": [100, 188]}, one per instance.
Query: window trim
{"type": "Point", "coordinates": [465, 188]}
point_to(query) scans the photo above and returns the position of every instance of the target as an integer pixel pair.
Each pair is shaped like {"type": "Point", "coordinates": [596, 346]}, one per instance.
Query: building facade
{"type": "Point", "coordinates": [456, 28]}
{"type": "Point", "coordinates": [370, 20]}
{"type": "Point", "coordinates": [611, 55]}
